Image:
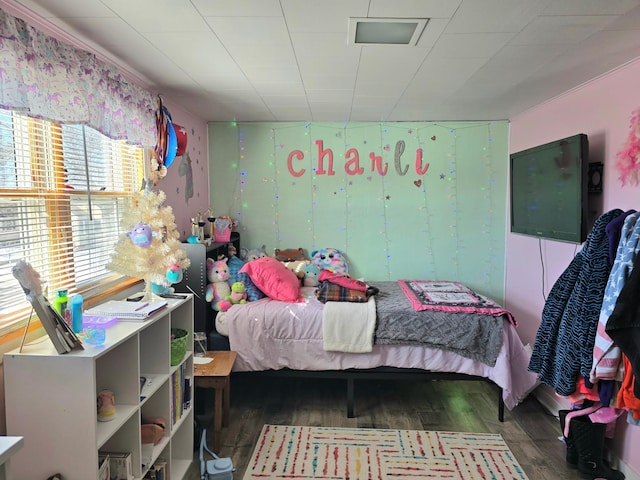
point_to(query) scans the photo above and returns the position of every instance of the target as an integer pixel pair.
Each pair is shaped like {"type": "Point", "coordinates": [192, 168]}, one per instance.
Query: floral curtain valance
{"type": "Point", "coordinates": [50, 79]}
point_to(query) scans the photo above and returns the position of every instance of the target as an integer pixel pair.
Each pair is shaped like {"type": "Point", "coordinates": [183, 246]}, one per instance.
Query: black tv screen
{"type": "Point", "coordinates": [549, 190]}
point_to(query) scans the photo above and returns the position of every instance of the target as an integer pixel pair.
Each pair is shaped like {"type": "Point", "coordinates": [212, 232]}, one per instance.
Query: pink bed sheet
{"type": "Point", "coordinates": [272, 335]}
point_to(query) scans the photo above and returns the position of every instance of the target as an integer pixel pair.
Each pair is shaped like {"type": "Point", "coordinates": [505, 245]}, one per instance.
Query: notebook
{"type": "Point", "coordinates": [126, 310]}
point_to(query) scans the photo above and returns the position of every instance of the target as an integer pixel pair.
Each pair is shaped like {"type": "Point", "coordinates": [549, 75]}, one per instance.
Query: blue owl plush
{"type": "Point", "coordinates": [330, 259]}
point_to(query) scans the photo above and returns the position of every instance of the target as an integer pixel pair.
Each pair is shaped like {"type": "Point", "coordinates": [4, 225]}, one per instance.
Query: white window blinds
{"type": "Point", "coordinates": [62, 192]}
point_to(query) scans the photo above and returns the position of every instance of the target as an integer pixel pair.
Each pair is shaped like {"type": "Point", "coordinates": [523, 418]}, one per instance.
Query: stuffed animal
{"type": "Point", "coordinates": [290, 255]}
{"type": "Point", "coordinates": [248, 255]}
{"type": "Point", "coordinates": [330, 259]}
{"type": "Point", "coordinates": [218, 288]}
{"type": "Point", "coordinates": [311, 273]}
{"type": "Point", "coordinates": [238, 293]}
{"type": "Point", "coordinates": [141, 234]}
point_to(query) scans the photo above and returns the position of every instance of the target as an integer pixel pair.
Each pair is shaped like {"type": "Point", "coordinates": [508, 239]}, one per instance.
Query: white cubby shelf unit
{"type": "Point", "coordinates": [51, 399]}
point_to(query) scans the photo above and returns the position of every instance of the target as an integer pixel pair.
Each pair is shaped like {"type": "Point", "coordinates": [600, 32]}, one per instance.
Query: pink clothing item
{"type": "Point", "coordinates": [342, 280]}
{"type": "Point", "coordinates": [583, 393]}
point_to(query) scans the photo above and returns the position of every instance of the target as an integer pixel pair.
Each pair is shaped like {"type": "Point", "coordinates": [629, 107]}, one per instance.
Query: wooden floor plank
{"type": "Point", "coordinates": [530, 431]}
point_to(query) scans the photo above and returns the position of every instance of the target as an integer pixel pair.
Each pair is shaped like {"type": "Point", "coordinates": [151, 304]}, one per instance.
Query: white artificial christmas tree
{"type": "Point", "coordinates": [149, 247]}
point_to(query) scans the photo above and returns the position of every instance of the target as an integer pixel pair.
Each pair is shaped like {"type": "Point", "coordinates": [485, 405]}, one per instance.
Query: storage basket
{"type": "Point", "coordinates": [178, 345]}
{"type": "Point", "coordinates": [222, 229]}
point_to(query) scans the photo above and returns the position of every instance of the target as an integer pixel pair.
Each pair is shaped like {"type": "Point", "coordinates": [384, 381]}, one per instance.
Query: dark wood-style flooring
{"type": "Point", "coordinates": [470, 406]}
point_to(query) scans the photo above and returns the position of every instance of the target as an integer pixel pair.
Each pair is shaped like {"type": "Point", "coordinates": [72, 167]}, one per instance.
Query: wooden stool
{"type": "Point", "coordinates": [216, 375]}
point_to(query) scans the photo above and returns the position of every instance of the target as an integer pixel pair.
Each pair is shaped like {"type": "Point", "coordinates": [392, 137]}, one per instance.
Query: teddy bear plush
{"type": "Point", "coordinates": [330, 259]}
{"type": "Point", "coordinates": [238, 293]}
{"type": "Point", "coordinates": [218, 288]}
{"type": "Point", "coordinates": [248, 255]}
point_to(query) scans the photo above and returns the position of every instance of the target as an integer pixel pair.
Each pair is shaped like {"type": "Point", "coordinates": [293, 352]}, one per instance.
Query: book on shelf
{"type": "Point", "coordinates": [124, 310]}
{"type": "Point", "coordinates": [104, 472]}
{"type": "Point", "coordinates": [120, 464]}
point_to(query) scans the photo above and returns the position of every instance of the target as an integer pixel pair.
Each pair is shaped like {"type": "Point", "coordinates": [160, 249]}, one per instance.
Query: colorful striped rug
{"type": "Point", "coordinates": [302, 453]}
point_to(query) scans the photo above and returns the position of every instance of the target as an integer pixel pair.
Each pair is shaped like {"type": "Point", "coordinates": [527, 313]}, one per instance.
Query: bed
{"type": "Point", "coordinates": [278, 337]}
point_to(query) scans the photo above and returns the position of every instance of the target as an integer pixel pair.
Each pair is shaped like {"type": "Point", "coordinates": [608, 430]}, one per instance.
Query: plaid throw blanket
{"type": "Point", "coordinates": [447, 296]}
{"type": "Point", "coordinates": [332, 292]}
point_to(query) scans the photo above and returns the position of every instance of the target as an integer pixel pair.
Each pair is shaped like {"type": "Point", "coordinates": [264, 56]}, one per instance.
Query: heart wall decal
{"type": "Point", "coordinates": [417, 183]}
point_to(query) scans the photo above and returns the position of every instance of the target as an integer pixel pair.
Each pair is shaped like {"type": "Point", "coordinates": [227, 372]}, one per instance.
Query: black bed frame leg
{"type": "Point", "coordinates": [350, 397]}
{"type": "Point", "coordinates": [500, 406]}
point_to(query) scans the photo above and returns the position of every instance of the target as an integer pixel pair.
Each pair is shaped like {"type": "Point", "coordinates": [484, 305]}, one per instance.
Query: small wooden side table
{"type": "Point", "coordinates": [216, 375]}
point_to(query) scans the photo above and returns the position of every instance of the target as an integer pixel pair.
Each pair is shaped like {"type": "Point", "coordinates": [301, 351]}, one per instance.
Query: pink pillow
{"type": "Point", "coordinates": [274, 279]}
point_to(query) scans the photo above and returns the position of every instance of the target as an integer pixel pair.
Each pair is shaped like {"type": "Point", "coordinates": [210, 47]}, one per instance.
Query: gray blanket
{"type": "Point", "coordinates": [471, 335]}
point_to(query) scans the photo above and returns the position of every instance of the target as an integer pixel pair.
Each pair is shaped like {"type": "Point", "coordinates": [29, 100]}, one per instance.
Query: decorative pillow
{"type": "Point", "coordinates": [235, 265]}
{"type": "Point", "coordinates": [274, 279]}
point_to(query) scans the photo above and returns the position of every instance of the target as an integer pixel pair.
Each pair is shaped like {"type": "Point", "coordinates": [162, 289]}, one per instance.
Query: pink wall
{"type": "Point", "coordinates": [601, 109]}
{"type": "Point", "coordinates": [185, 201]}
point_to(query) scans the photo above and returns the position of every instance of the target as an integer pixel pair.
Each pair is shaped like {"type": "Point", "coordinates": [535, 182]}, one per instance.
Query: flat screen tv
{"type": "Point", "coordinates": [549, 190]}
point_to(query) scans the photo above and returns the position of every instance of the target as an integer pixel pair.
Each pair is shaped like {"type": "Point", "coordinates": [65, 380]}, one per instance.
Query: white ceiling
{"type": "Point", "coordinates": [282, 60]}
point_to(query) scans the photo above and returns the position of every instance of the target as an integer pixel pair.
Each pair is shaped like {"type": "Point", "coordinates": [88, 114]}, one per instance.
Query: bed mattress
{"type": "Point", "coordinates": [273, 335]}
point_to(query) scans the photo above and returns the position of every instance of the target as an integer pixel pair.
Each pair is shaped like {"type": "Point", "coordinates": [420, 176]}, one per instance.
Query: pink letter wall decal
{"type": "Point", "coordinates": [376, 164]}
{"type": "Point", "coordinates": [322, 152]}
{"type": "Point", "coordinates": [299, 156]}
{"type": "Point", "coordinates": [419, 169]}
{"type": "Point", "coordinates": [352, 164]}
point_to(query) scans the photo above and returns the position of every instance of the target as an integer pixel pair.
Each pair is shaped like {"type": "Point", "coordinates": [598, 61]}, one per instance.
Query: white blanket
{"type": "Point", "coordinates": [349, 326]}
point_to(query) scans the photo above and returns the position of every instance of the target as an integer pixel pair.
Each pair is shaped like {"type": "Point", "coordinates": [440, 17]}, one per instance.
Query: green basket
{"type": "Point", "coordinates": [178, 345]}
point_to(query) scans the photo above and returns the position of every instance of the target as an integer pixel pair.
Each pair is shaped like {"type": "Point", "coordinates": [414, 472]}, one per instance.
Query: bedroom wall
{"type": "Point", "coordinates": [433, 205]}
{"type": "Point", "coordinates": [186, 184]}
{"type": "Point", "coordinates": [601, 109]}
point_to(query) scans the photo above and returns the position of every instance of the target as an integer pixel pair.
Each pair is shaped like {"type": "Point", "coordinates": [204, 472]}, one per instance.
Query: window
{"type": "Point", "coordinates": [62, 192]}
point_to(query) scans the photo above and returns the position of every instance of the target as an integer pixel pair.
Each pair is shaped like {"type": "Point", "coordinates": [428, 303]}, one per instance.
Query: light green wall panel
{"type": "Point", "coordinates": [447, 222]}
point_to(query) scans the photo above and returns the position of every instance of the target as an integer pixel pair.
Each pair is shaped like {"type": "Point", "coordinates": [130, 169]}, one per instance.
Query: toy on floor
{"type": "Point", "coordinates": [218, 288]}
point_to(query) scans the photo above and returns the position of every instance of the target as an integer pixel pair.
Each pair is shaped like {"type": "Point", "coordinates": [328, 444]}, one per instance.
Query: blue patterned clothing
{"type": "Point", "coordinates": [563, 349]}
{"type": "Point", "coordinates": [606, 354]}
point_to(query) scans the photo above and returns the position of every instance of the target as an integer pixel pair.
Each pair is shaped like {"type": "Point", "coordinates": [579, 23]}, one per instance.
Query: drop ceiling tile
{"type": "Point", "coordinates": [469, 45]}
{"type": "Point", "coordinates": [566, 29]}
{"type": "Point", "coordinates": [325, 16]}
{"type": "Point", "coordinates": [413, 8]}
{"type": "Point", "coordinates": [158, 15]}
{"type": "Point", "coordinates": [238, 8]}
{"type": "Point", "coordinates": [250, 31]}
{"type": "Point", "coordinates": [582, 7]}
{"type": "Point", "coordinates": [287, 88]}
{"type": "Point", "coordinates": [70, 9]}
{"type": "Point", "coordinates": [494, 16]}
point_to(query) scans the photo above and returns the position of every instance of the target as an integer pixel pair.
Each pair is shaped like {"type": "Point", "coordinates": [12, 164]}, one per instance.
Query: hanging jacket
{"type": "Point", "coordinates": [606, 354]}
{"type": "Point", "coordinates": [623, 325]}
{"type": "Point", "coordinates": [563, 349]}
